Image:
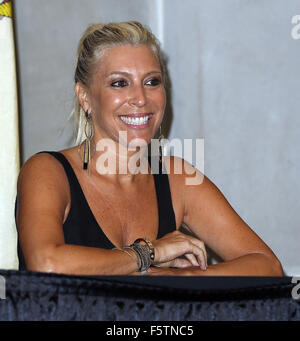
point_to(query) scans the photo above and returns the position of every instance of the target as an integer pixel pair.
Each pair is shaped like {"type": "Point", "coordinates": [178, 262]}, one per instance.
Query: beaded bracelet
{"type": "Point", "coordinates": [144, 255]}
{"type": "Point", "coordinates": [142, 260]}
{"type": "Point", "coordinates": [149, 245]}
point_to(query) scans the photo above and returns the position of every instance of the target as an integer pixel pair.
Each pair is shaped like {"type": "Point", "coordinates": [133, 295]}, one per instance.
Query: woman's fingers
{"type": "Point", "coordinates": [175, 263]}
{"type": "Point", "coordinates": [192, 258]}
{"type": "Point", "coordinates": [181, 263]}
{"type": "Point", "coordinates": [175, 245]}
{"type": "Point", "coordinates": [198, 258]}
{"type": "Point", "coordinates": [200, 252]}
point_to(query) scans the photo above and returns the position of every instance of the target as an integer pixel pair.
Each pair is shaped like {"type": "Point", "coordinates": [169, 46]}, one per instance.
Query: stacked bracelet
{"type": "Point", "coordinates": [144, 253]}
{"type": "Point", "coordinates": [144, 256]}
{"type": "Point", "coordinates": [128, 253]}
{"type": "Point", "coordinates": [149, 245]}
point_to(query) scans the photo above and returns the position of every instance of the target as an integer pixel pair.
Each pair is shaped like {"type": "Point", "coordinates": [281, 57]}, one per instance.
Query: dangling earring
{"type": "Point", "coordinates": [88, 149]}
{"type": "Point", "coordinates": [160, 145]}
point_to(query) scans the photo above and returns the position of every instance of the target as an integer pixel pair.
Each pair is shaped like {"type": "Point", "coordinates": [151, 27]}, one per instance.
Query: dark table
{"type": "Point", "coordinates": [34, 296]}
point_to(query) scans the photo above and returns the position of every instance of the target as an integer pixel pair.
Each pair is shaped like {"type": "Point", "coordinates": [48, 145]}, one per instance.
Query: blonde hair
{"type": "Point", "coordinates": [95, 40]}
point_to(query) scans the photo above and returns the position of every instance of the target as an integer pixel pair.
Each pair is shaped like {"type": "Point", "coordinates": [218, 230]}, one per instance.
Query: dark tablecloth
{"type": "Point", "coordinates": [33, 296]}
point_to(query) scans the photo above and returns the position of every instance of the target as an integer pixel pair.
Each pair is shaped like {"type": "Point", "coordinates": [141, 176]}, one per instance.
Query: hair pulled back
{"type": "Point", "coordinates": [92, 45]}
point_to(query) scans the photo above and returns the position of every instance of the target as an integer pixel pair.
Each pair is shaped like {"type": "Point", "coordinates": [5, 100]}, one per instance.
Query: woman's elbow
{"type": "Point", "coordinates": [266, 264]}
{"type": "Point", "coordinates": [278, 270]}
{"type": "Point", "coordinates": [274, 267]}
{"type": "Point", "coordinates": [42, 262]}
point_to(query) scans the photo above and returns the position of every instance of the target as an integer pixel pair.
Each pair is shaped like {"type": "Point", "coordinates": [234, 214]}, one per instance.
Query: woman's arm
{"type": "Point", "coordinates": [209, 216]}
{"type": "Point", "coordinates": [254, 264]}
{"type": "Point", "coordinates": [43, 199]}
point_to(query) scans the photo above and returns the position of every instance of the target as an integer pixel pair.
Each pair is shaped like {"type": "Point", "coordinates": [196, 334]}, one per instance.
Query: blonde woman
{"type": "Point", "coordinates": [73, 218]}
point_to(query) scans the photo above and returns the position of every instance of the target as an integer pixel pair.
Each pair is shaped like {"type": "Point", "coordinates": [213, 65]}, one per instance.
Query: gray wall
{"type": "Point", "coordinates": [235, 78]}
{"type": "Point", "coordinates": [235, 71]}
{"type": "Point", "coordinates": [47, 34]}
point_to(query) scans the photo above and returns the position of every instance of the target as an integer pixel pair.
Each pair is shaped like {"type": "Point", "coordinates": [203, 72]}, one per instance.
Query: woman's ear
{"type": "Point", "coordinates": [82, 95]}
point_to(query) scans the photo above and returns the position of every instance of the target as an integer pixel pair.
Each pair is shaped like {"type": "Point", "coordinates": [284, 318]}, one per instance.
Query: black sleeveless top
{"type": "Point", "coordinates": [81, 227]}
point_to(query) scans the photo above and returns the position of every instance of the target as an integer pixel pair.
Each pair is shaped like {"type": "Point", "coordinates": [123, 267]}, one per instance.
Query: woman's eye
{"type": "Point", "coordinates": [153, 81]}
{"type": "Point", "coordinates": [119, 84]}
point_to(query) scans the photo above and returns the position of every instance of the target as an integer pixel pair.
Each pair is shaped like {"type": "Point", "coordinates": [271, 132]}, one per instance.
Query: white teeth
{"type": "Point", "coordinates": [135, 121]}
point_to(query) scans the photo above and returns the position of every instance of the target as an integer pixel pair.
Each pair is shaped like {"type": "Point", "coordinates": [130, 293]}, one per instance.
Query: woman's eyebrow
{"type": "Point", "coordinates": [124, 73]}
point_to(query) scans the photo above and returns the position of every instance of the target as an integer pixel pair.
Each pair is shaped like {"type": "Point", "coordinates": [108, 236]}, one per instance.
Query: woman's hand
{"type": "Point", "coordinates": [189, 271]}
{"type": "Point", "coordinates": [179, 250]}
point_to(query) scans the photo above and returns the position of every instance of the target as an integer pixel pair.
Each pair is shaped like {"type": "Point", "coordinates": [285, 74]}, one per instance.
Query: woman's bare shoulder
{"type": "Point", "coordinates": [182, 172]}
{"type": "Point", "coordinates": [41, 162]}
{"type": "Point", "coordinates": [45, 164]}
{"type": "Point", "coordinates": [42, 171]}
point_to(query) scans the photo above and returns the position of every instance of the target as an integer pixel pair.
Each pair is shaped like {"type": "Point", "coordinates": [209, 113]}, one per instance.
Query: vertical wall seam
{"type": "Point", "coordinates": [160, 20]}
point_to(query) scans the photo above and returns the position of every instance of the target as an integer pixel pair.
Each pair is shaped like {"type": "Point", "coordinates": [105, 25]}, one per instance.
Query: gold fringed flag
{"type": "Point", "coordinates": [9, 139]}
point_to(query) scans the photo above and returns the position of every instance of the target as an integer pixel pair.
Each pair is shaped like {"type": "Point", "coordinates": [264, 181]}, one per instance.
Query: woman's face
{"type": "Point", "coordinates": [127, 94]}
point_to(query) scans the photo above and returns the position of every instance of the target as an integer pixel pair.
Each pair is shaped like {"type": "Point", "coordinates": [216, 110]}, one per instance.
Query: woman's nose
{"type": "Point", "coordinates": [137, 96]}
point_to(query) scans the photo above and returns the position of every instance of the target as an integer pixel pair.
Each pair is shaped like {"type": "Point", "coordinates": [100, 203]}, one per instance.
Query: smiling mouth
{"type": "Point", "coordinates": [138, 120]}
